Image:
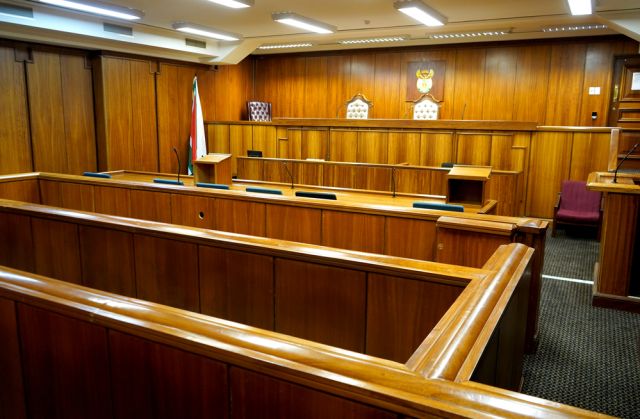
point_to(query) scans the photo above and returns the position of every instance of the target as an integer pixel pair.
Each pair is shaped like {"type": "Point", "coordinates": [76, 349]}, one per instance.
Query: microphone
{"type": "Point", "coordinates": [171, 181]}
{"type": "Point", "coordinates": [179, 166]}
{"type": "Point", "coordinates": [464, 108]}
{"type": "Point", "coordinates": [284, 163]}
{"type": "Point", "coordinates": [615, 174]}
{"type": "Point", "coordinates": [393, 182]}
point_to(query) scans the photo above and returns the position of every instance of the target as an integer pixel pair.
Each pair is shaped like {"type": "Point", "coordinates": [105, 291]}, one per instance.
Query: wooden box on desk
{"type": "Point", "coordinates": [213, 168]}
{"type": "Point", "coordinates": [466, 184]}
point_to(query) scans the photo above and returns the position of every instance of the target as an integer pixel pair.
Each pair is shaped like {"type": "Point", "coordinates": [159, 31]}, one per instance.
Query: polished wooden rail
{"type": "Point", "coordinates": [273, 284]}
{"type": "Point", "coordinates": [395, 231]}
{"type": "Point", "coordinates": [185, 364]}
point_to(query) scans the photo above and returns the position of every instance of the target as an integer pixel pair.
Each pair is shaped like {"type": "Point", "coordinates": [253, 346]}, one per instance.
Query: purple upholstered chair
{"type": "Point", "coordinates": [576, 205]}
{"type": "Point", "coordinates": [259, 111]}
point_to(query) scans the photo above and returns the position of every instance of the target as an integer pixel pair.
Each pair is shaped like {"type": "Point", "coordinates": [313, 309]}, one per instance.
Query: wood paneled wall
{"type": "Point", "coordinates": [47, 118]}
{"type": "Point", "coordinates": [142, 108]}
{"type": "Point", "coordinates": [542, 81]}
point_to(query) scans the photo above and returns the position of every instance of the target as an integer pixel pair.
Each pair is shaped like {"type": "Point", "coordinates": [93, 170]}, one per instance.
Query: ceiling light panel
{"type": "Point", "coordinates": [301, 22]}
{"type": "Point", "coordinates": [580, 7]}
{"type": "Point", "coordinates": [462, 35]}
{"type": "Point", "coordinates": [98, 8]}
{"type": "Point", "coordinates": [373, 40]}
{"type": "Point", "coordinates": [234, 4]}
{"type": "Point", "coordinates": [588, 27]}
{"type": "Point", "coordinates": [207, 32]}
{"type": "Point", "coordinates": [285, 46]}
{"type": "Point", "coordinates": [421, 12]}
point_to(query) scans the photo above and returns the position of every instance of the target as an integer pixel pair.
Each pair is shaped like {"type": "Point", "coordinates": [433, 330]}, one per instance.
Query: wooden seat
{"type": "Point", "coordinates": [576, 205]}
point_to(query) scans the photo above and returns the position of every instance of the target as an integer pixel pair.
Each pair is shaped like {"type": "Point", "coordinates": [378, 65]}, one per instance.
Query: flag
{"type": "Point", "coordinates": [197, 141]}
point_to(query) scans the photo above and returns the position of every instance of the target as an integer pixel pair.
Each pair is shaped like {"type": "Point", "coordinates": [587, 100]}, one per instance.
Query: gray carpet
{"type": "Point", "coordinates": [588, 357]}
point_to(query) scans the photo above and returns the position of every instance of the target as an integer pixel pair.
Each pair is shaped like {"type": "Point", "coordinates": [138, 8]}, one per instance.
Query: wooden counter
{"type": "Point", "coordinates": [617, 274]}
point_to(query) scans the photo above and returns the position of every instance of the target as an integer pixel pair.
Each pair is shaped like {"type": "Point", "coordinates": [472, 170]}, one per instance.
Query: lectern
{"type": "Point", "coordinates": [466, 184]}
{"type": "Point", "coordinates": [617, 273]}
{"type": "Point", "coordinates": [213, 168]}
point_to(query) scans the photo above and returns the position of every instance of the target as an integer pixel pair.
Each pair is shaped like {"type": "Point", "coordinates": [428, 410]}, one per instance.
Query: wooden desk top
{"type": "Point", "coordinates": [213, 158]}
{"type": "Point", "coordinates": [344, 196]}
{"type": "Point", "coordinates": [470, 172]}
{"type": "Point", "coordinates": [628, 183]}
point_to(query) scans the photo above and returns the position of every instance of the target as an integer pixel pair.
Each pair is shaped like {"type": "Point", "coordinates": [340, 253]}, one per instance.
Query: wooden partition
{"type": "Point", "coordinates": [121, 357]}
{"type": "Point", "coordinates": [271, 284]}
{"type": "Point", "coordinates": [502, 187]}
{"type": "Point", "coordinates": [403, 232]}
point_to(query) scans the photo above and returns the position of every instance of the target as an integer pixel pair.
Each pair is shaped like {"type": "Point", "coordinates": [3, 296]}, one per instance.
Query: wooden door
{"type": "Point", "coordinates": [625, 100]}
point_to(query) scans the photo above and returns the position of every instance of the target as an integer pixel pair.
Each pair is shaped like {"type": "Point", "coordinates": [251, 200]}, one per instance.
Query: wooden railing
{"type": "Point", "coordinates": [544, 155]}
{"type": "Point", "coordinates": [395, 231]}
{"type": "Point", "coordinates": [338, 297]}
{"type": "Point", "coordinates": [502, 187]}
{"type": "Point", "coordinates": [181, 364]}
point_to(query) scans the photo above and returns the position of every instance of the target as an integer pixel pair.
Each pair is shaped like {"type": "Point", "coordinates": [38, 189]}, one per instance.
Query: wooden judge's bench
{"type": "Point", "coordinates": [617, 273]}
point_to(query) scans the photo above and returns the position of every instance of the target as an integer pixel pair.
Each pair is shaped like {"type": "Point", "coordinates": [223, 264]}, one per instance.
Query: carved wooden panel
{"type": "Point", "coordinates": [151, 380]}
{"type": "Point", "coordinates": [108, 260]}
{"type": "Point", "coordinates": [15, 144]}
{"type": "Point", "coordinates": [167, 272]}
{"type": "Point", "coordinates": [56, 250]}
{"type": "Point", "coordinates": [320, 303]}
{"type": "Point", "coordinates": [417, 305]}
{"type": "Point", "coordinates": [295, 224]}
{"type": "Point", "coordinates": [237, 286]}
{"type": "Point", "coordinates": [74, 355]}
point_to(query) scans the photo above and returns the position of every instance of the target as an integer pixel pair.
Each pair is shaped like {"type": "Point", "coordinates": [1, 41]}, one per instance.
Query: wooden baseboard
{"type": "Point", "coordinates": [617, 302]}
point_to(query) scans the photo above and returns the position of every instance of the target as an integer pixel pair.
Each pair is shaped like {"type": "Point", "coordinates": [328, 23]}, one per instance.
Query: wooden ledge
{"type": "Point", "coordinates": [389, 265]}
{"type": "Point", "coordinates": [479, 226]}
{"type": "Point", "coordinates": [343, 373]}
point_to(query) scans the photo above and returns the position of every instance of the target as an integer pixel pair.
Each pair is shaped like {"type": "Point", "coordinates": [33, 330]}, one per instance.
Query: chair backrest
{"type": "Point", "coordinates": [358, 107]}
{"type": "Point", "coordinates": [576, 197]}
{"type": "Point", "coordinates": [426, 108]}
{"type": "Point", "coordinates": [259, 111]}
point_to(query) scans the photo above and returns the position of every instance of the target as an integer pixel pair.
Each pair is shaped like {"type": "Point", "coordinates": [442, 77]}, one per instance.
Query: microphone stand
{"type": "Point", "coordinates": [179, 166]}
{"type": "Point", "coordinates": [284, 163]}
{"type": "Point", "coordinates": [393, 182]}
{"type": "Point", "coordinates": [615, 174]}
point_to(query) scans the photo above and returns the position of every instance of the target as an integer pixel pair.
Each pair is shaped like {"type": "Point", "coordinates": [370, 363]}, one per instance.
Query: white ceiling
{"type": "Point", "coordinates": [353, 18]}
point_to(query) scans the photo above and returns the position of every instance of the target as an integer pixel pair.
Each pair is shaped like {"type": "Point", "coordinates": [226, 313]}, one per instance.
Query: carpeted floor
{"type": "Point", "coordinates": [587, 357]}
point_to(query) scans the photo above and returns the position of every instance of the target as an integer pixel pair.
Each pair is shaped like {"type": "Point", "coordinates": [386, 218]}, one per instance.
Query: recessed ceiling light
{"type": "Point", "coordinates": [195, 29]}
{"type": "Point", "coordinates": [420, 12]}
{"type": "Point", "coordinates": [477, 34]}
{"type": "Point", "coordinates": [234, 4]}
{"type": "Point", "coordinates": [374, 40]}
{"type": "Point", "coordinates": [302, 22]}
{"type": "Point", "coordinates": [588, 27]}
{"type": "Point", "coordinates": [283, 46]}
{"type": "Point", "coordinates": [580, 7]}
{"type": "Point", "coordinates": [99, 8]}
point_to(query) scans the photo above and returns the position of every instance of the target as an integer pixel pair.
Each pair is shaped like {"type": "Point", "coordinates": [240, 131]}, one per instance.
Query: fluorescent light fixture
{"type": "Point", "coordinates": [99, 8]}
{"type": "Point", "coordinates": [420, 12]}
{"type": "Point", "coordinates": [284, 46]}
{"type": "Point", "coordinates": [374, 40]}
{"type": "Point", "coordinates": [234, 4]}
{"type": "Point", "coordinates": [588, 27]}
{"type": "Point", "coordinates": [195, 29]}
{"type": "Point", "coordinates": [462, 35]}
{"type": "Point", "coordinates": [302, 22]}
{"type": "Point", "coordinates": [580, 7]}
